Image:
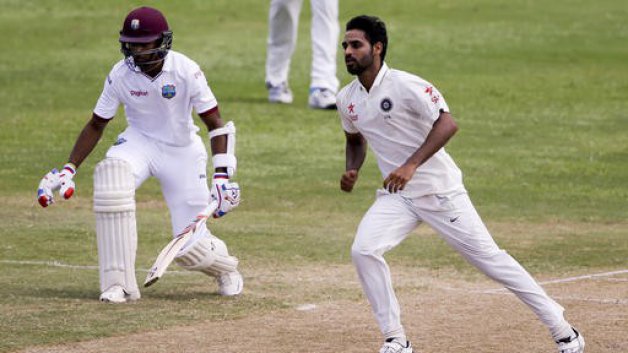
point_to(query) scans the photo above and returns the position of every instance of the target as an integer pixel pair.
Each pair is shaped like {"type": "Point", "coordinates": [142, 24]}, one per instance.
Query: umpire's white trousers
{"type": "Point", "coordinates": [392, 217]}
{"type": "Point", "coordinates": [283, 23]}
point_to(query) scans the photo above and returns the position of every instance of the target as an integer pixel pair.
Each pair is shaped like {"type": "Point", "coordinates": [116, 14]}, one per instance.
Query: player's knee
{"type": "Point", "coordinates": [207, 254]}
{"type": "Point", "coordinates": [114, 186]}
{"type": "Point", "coordinates": [361, 250]}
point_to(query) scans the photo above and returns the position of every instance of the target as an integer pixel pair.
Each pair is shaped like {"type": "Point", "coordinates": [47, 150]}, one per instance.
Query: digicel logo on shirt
{"type": "Point", "coordinates": [138, 93]}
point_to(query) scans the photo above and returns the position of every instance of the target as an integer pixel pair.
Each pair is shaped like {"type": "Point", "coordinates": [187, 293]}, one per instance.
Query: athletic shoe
{"type": "Point", "coordinates": [393, 346]}
{"type": "Point", "coordinates": [571, 344]}
{"type": "Point", "coordinates": [231, 283]}
{"type": "Point", "coordinates": [321, 98]}
{"type": "Point", "coordinates": [117, 295]}
{"type": "Point", "coordinates": [279, 94]}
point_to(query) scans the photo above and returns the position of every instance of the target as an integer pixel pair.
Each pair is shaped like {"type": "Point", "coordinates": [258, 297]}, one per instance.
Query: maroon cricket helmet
{"type": "Point", "coordinates": [144, 25]}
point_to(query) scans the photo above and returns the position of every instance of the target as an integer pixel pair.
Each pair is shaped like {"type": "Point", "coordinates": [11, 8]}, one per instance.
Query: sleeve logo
{"type": "Point", "coordinates": [433, 97]}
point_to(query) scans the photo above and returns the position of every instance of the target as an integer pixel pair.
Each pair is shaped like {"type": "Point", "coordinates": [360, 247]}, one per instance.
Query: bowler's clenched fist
{"type": "Point", "coordinates": [348, 179]}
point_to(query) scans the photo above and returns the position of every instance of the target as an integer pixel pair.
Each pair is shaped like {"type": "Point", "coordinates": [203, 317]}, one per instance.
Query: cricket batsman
{"type": "Point", "coordinates": [158, 88]}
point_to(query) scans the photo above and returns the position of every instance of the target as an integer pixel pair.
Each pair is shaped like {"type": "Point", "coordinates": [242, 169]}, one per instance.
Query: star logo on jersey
{"type": "Point", "coordinates": [352, 115]}
{"type": "Point", "coordinates": [168, 91]}
{"type": "Point", "coordinates": [433, 97]}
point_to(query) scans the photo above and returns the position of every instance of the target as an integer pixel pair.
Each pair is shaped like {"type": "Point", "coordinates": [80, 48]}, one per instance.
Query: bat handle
{"type": "Point", "coordinates": [211, 208]}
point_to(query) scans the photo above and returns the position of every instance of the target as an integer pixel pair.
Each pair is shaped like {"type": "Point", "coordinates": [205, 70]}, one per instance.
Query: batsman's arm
{"type": "Point", "coordinates": [355, 152]}
{"type": "Point", "coordinates": [222, 141]}
{"type": "Point", "coordinates": [62, 180]}
{"type": "Point", "coordinates": [218, 144]}
{"type": "Point", "coordinates": [87, 139]}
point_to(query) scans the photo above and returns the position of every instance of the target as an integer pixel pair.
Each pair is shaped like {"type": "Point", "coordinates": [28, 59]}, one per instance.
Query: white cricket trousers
{"type": "Point", "coordinates": [392, 217]}
{"type": "Point", "coordinates": [283, 21]}
{"type": "Point", "coordinates": [181, 171]}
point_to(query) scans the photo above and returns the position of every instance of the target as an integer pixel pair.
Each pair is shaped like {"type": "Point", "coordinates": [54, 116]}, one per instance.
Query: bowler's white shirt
{"type": "Point", "coordinates": [395, 118]}
{"type": "Point", "coordinates": [160, 107]}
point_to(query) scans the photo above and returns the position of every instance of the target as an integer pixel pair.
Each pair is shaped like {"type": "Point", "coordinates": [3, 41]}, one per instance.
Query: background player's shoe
{"type": "Point", "coordinates": [321, 98]}
{"type": "Point", "coordinates": [279, 94]}
{"type": "Point", "coordinates": [571, 344]}
{"type": "Point", "coordinates": [393, 346]}
{"type": "Point", "coordinates": [231, 283]}
{"type": "Point", "coordinates": [117, 295]}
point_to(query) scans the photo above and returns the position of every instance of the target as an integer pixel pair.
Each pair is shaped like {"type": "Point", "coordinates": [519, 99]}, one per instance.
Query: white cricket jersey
{"type": "Point", "coordinates": [395, 118]}
{"type": "Point", "coordinates": [160, 107]}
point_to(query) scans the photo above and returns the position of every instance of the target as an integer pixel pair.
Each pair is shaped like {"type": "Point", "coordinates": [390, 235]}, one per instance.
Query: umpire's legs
{"type": "Point", "coordinates": [283, 21]}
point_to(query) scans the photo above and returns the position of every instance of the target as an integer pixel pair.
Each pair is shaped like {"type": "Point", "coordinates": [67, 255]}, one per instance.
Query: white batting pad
{"type": "Point", "coordinates": [116, 234]}
{"type": "Point", "coordinates": [207, 254]}
{"type": "Point", "coordinates": [228, 159]}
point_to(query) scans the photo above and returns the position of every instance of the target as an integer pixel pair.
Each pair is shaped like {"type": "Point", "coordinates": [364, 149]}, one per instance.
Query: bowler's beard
{"type": "Point", "coordinates": [357, 67]}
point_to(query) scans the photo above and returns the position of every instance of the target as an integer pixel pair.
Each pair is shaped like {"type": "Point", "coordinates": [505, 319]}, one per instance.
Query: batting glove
{"type": "Point", "coordinates": [226, 193]}
{"type": "Point", "coordinates": [56, 180]}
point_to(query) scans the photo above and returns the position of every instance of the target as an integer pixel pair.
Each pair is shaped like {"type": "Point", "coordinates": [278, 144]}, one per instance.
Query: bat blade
{"type": "Point", "coordinates": [170, 251]}
{"type": "Point", "coordinates": [165, 257]}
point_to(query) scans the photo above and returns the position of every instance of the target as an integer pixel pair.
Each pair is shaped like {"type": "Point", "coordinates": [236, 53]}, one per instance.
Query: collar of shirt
{"type": "Point", "coordinates": [167, 63]}
{"type": "Point", "coordinates": [378, 79]}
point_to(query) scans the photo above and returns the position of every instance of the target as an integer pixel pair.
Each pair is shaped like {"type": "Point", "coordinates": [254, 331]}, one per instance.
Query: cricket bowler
{"type": "Point", "coordinates": [406, 122]}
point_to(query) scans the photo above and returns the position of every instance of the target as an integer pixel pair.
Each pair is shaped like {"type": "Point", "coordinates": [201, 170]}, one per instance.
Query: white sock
{"type": "Point", "coordinates": [563, 332]}
{"type": "Point", "coordinates": [399, 339]}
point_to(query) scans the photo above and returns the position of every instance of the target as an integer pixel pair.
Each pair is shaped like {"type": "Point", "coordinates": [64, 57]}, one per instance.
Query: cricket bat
{"type": "Point", "coordinates": [170, 251]}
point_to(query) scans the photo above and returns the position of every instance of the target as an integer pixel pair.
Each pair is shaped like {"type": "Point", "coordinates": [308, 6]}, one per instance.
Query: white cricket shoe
{"type": "Point", "coordinates": [394, 346]}
{"type": "Point", "coordinates": [117, 295]}
{"type": "Point", "coordinates": [571, 344]}
{"type": "Point", "coordinates": [279, 94]}
{"type": "Point", "coordinates": [321, 98]}
{"type": "Point", "coordinates": [231, 283]}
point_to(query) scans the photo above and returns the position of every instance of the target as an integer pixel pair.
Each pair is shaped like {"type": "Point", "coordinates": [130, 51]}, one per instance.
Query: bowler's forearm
{"type": "Point", "coordinates": [355, 152]}
{"type": "Point", "coordinates": [444, 128]}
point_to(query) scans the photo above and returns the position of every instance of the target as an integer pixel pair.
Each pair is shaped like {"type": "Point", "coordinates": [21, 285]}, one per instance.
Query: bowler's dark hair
{"type": "Point", "coordinates": [373, 28]}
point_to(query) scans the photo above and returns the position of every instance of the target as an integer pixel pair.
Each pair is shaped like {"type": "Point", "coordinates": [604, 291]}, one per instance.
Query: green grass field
{"type": "Point", "coordinates": [539, 89]}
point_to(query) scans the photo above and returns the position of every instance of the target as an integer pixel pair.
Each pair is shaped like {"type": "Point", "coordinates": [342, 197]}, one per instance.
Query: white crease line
{"type": "Point", "coordinates": [595, 300]}
{"type": "Point", "coordinates": [76, 267]}
{"type": "Point", "coordinates": [488, 291]}
{"type": "Point", "coordinates": [565, 280]}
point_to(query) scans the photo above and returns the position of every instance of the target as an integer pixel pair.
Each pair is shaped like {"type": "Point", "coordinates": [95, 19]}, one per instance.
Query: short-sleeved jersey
{"type": "Point", "coordinates": [160, 107]}
{"type": "Point", "coordinates": [395, 117]}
